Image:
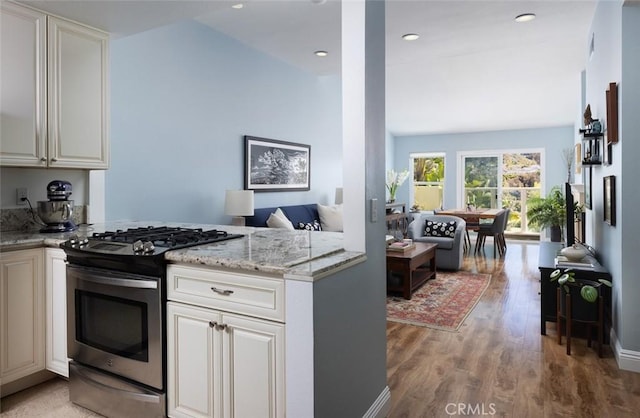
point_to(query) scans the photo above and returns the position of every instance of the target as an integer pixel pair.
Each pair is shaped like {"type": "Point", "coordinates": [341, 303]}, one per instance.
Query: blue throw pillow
{"type": "Point", "coordinates": [310, 226]}
{"type": "Point", "coordinates": [440, 229]}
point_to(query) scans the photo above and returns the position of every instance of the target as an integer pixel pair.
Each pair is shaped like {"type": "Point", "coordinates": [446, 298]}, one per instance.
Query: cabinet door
{"type": "Point", "coordinates": [78, 103]}
{"type": "Point", "coordinates": [193, 362]}
{"type": "Point", "coordinates": [22, 330]}
{"type": "Point", "coordinates": [253, 367]}
{"type": "Point", "coordinates": [23, 102]}
{"type": "Point", "coordinates": [56, 311]}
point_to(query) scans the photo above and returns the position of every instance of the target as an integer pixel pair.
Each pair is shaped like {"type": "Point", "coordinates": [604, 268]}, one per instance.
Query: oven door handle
{"type": "Point", "coordinates": [113, 281]}
{"type": "Point", "coordinates": [144, 397]}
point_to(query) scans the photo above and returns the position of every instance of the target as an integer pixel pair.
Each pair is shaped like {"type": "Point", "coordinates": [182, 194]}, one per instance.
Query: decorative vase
{"type": "Point", "coordinates": [573, 253]}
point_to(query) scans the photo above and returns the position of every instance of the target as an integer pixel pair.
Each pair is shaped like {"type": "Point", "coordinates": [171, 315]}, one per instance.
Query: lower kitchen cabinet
{"type": "Point", "coordinates": [22, 314]}
{"type": "Point", "coordinates": [56, 313]}
{"type": "Point", "coordinates": [223, 365]}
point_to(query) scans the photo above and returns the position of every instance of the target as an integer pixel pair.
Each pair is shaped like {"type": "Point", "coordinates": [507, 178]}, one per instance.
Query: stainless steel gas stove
{"type": "Point", "coordinates": [116, 308]}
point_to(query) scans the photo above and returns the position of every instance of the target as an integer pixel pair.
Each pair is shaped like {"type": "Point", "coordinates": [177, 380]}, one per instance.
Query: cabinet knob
{"type": "Point", "coordinates": [54, 159]}
{"type": "Point", "coordinates": [44, 160]}
{"type": "Point", "coordinates": [213, 324]}
{"type": "Point", "coordinates": [222, 327]}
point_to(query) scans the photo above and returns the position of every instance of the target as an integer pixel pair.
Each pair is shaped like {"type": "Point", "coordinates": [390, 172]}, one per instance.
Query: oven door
{"type": "Point", "coordinates": [115, 323]}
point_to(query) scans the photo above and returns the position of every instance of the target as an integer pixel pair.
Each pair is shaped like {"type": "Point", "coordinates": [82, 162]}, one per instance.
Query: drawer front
{"type": "Point", "coordinates": [232, 292]}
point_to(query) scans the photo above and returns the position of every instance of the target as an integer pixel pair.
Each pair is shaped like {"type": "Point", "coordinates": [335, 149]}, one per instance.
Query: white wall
{"type": "Point", "coordinates": [36, 180]}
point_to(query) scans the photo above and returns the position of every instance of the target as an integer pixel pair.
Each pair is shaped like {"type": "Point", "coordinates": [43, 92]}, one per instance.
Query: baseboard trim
{"type": "Point", "coordinates": [381, 406]}
{"type": "Point", "coordinates": [627, 359]}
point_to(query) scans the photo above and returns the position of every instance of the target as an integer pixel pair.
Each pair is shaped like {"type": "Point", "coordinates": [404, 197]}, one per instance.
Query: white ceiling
{"type": "Point", "coordinates": [473, 68]}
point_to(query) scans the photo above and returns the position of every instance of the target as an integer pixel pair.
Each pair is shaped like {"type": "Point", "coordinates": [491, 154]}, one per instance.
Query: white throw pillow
{"type": "Point", "coordinates": [279, 220]}
{"type": "Point", "coordinates": [331, 217]}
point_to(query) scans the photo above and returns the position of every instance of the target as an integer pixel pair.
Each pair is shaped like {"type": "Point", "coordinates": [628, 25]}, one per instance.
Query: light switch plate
{"type": "Point", "coordinates": [374, 210]}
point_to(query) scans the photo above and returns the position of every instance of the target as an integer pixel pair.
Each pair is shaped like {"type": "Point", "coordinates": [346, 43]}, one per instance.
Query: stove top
{"type": "Point", "coordinates": [137, 248]}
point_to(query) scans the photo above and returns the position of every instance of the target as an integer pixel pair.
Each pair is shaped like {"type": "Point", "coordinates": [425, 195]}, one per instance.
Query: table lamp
{"type": "Point", "coordinates": [338, 195]}
{"type": "Point", "coordinates": [238, 203]}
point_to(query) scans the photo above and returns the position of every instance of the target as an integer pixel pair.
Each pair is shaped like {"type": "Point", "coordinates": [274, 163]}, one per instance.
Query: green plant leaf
{"type": "Point", "coordinates": [563, 279]}
{"type": "Point", "coordinates": [605, 282]}
{"type": "Point", "coordinates": [589, 293]}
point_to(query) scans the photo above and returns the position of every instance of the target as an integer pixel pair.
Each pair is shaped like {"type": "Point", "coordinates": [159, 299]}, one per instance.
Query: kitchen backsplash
{"type": "Point", "coordinates": [22, 220]}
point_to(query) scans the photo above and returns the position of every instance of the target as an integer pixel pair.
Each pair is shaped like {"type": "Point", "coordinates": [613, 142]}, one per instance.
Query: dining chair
{"type": "Point", "coordinates": [496, 230]}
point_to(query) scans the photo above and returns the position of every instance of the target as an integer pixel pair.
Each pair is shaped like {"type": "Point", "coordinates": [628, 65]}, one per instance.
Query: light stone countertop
{"type": "Point", "coordinates": [299, 255]}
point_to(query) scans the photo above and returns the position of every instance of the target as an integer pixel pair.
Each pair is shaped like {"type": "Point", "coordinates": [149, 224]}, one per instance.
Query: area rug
{"type": "Point", "coordinates": [442, 303]}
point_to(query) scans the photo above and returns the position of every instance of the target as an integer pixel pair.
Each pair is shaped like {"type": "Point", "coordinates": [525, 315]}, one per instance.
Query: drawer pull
{"type": "Point", "coordinates": [222, 292]}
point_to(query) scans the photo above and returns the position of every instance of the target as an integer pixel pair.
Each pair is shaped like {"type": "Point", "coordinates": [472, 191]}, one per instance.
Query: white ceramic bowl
{"type": "Point", "coordinates": [573, 253]}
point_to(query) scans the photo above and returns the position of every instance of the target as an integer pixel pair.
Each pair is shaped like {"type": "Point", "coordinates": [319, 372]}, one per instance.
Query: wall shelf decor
{"type": "Point", "coordinates": [591, 154]}
{"type": "Point", "coordinates": [612, 114]}
{"type": "Point", "coordinates": [609, 199]}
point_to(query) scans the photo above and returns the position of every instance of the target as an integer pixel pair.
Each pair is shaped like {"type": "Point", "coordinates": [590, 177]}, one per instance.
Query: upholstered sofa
{"type": "Point", "coordinates": [306, 216]}
{"type": "Point", "coordinates": [450, 251]}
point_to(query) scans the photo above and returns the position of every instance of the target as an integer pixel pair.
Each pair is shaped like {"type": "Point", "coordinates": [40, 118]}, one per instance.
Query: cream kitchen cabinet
{"type": "Point", "coordinates": [54, 82]}
{"type": "Point", "coordinates": [222, 364]}
{"type": "Point", "coordinates": [56, 311]}
{"type": "Point", "coordinates": [22, 314]}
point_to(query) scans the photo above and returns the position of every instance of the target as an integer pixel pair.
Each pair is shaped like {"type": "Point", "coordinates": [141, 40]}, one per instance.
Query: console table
{"type": "Point", "coordinates": [548, 302]}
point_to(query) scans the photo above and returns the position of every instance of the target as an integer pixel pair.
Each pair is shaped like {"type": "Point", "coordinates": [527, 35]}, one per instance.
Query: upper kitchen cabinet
{"type": "Point", "coordinates": [54, 82]}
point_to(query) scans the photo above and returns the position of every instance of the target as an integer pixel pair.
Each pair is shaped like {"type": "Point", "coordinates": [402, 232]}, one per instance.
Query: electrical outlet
{"type": "Point", "coordinates": [21, 196]}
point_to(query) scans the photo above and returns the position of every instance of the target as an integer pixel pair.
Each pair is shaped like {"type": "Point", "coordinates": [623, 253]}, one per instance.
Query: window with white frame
{"type": "Point", "coordinates": [504, 178]}
{"type": "Point", "coordinates": [427, 189]}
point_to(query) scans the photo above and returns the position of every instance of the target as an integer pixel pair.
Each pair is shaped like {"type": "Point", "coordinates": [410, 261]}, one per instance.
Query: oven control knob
{"type": "Point", "coordinates": [137, 246]}
{"type": "Point", "coordinates": [73, 239]}
{"type": "Point", "coordinates": [84, 241]}
{"type": "Point", "coordinates": [148, 247]}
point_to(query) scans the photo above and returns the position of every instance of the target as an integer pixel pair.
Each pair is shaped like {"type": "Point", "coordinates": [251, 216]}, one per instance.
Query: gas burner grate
{"type": "Point", "coordinates": [164, 236]}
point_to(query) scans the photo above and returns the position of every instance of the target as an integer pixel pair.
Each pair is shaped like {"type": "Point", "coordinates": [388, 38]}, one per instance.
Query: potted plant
{"type": "Point", "coordinates": [395, 179]}
{"type": "Point", "coordinates": [587, 290]}
{"type": "Point", "coordinates": [548, 212]}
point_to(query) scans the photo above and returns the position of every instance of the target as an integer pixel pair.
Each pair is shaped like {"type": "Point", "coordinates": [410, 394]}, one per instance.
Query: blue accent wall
{"type": "Point", "coordinates": [182, 98]}
{"type": "Point", "coordinates": [552, 140]}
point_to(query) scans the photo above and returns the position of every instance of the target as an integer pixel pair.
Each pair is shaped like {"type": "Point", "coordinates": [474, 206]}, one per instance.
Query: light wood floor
{"type": "Point", "coordinates": [498, 363]}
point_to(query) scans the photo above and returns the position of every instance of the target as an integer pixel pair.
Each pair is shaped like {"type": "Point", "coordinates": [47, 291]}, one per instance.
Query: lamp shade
{"type": "Point", "coordinates": [238, 202]}
{"type": "Point", "coordinates": [338, 195]}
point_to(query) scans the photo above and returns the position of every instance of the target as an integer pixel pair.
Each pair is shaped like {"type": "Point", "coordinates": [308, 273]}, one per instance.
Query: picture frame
{"type": "Point", "coordinates": [612, 113]}
{"type": "Point", "coordinates": [273, 165]}
{"type": "Point", "coordinates": [586, 180]}
{"type": "Point", "coordinates": [607, 158]}
{"type": "Point", "coordinates": [609, 199]}
{"type": "Point", "coordinates": [578, 158]}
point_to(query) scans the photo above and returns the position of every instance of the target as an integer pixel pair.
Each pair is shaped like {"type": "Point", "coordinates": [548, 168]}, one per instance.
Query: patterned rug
{"type": "Point", "coordinates": [442, 303]}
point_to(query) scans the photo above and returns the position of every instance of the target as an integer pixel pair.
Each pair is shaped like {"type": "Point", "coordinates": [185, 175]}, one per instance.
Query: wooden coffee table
{"type": "Point", "coordinates": [407, 271]}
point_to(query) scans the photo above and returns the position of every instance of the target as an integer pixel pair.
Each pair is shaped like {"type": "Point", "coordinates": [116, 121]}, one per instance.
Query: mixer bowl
{"type": "Point", "coordinates": [55, 212]}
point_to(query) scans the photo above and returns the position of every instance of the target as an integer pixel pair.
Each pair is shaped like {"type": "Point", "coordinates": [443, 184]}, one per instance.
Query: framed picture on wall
{"type": "Point", "coordinates": [272, 165]}
{"type": "Point", "coordinates": [586, 180]}
{"type": "Point", "coordinates": [609, 199]}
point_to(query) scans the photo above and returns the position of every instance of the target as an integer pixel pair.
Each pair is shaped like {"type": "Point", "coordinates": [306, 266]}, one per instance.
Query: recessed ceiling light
{"type": "Point", "coordinates": [526, 17]}
{"type": "Point", "coordinates": [410, 36]}
{"type": "Point", "coordinates": [237, 6]}
{"type": "Point", "coordinates": [321, 53]}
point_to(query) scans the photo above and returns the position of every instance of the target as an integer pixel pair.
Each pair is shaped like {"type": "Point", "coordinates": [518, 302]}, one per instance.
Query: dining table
{"type": "Point", "coordinates": [472, 217]}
